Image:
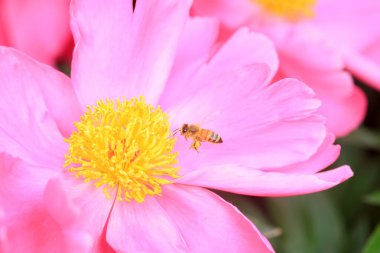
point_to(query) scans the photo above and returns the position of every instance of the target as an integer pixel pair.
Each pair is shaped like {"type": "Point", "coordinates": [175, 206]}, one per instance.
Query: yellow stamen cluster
{"type": "Point", "coordinates": [125, 145]}
{"type": "Point", "coordinates": [290, 9]}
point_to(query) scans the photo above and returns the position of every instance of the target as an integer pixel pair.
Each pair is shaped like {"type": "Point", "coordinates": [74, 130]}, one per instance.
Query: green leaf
{"type": "Point", "coordinates": [373, 244]}
{"type": "Point", "coordinates": [357, 234]}
{"type": "Point", "coordinates": [310, 224]}
{"type": "Point", "coordinates": [350, 195]}
{"type": "Point", "coordinates": [363, 137]}
{"type": "Point", "coordinates": [373, 198]}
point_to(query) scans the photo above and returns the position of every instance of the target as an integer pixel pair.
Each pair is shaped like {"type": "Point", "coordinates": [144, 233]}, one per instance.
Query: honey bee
{"type": "Point", "coordinates": [198, 135]}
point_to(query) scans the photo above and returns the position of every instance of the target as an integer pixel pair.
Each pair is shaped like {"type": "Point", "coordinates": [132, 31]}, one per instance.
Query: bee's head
{"type": "Point", "coordinates": [184, 128]}
{"type": "Point", "coordinates": [181, 130]}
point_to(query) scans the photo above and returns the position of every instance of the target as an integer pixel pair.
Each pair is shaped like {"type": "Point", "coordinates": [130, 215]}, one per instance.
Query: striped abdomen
{"type": "Point", "coordinates": [210, 136]}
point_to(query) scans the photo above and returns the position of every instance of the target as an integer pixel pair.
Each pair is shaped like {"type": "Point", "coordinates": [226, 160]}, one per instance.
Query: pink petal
{"type": "Point", "coordinates": [231, 13]}
{"type": "Point", "coordinates": [326, 155]}
{"type": "Point", "coordinates": [318, 54]}
{"type": "Point", "coordinates": [243, 180]}
{"type": "Point", "coordinates": [58, 218]}
{"type": "Point", "coordinates": [343, 105]}
{"type": "Point", "coordinates": [31, 115]}
{"type": "Point", "coordinates": [58, 204]}
{"type": "Point", "coordinates": [26, 224]}
{"type": "Point", "coordinates": [4, 241]}
{"type": "Point", "coordinates": [120, 52]}
{"type": "Point", "coordinates": [373, 52]}
{"type": "Point", "coordinates": [349, 23]}
{"type": "Point", "coordinates": [256, 122]}
{"type": "Point", "coordinates": [191, 47]}
{"type": "Point", "coordinates": [81, 211]}
{"type": "Point", "coordinates": [352, 31]}
{"type": "Point", "coordinates": [78, 242]}
{"type": "Point", "coordinates": [76, 209]}
{"type": "Point", "coordinates": [35, 232]}
{"type": "Point", "coordinates": [364, 68]}
{"type": "Point", "coordinates": [183, 220]}
{"type": "Point", "coordinates": [242, 49]}
{"type": "Point", "coordinates": [38, 27]}
{"type": "Point", "coordinates": [28, 190]}
{"type": "Point", "coordinates": [144, 227]}
{"type": "Point", "coordinates": [368, 72]}
{"type": "Point", "coordinates": [192, 55]}
{"type": "Point", "coordinates": [38, 232]}
{"type": "Point", "coordinates": [103, 246]}
{"type": "Point", "coordinates": [208, 223]}
{"type": "Point", "coordinates": [344, 114]}
{"type": "Point", "coordinates": [291, 39]}
{"type": "Point", "coordinates": [21, 185]}
{"type": "Point", "coordinates": [94, 208]}
{"type": "Point", "coordinates": [207, 103]}
{"type": "Point", "coordinates": [3, 40]}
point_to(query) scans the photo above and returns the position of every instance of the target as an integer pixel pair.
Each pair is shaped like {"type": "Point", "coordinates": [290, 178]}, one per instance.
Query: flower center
{"type": "Point", "coordinates": [125, 145]}
{"type": "Point", "coordinates": [289, 9]}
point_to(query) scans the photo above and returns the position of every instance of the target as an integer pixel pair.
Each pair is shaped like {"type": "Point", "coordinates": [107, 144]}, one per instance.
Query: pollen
{"type": "Point", "coordinates": [292, 10]}
{"type": "Point", "coordinates": [123, 145]}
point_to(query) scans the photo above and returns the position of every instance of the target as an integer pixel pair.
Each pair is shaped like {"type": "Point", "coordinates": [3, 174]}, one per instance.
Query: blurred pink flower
{"type": "Point", "coordinates": [317, 49]}
{"type": "Point", "coordinates": [274, 142]}
{"type": "Point", "coordinates": [40, 28]}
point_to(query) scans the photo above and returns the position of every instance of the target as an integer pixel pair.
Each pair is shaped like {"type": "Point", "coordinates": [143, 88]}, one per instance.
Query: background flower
{"type": "Point", "coordinates": [310, 51]}
{"type": "Point", "coordinates": [40, 28]}
{"type": "Point", "coordinates": [346, 218]}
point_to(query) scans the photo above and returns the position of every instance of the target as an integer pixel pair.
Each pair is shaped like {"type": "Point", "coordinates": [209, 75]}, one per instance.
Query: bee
{"type": "Point", "coordinates": [198, 135]}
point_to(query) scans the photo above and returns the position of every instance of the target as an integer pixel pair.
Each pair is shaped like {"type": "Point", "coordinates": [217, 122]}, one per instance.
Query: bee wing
{"type": "Point", "coordinates": [205, 122]}
{"type": "Point", "coordinates": [193, 129]}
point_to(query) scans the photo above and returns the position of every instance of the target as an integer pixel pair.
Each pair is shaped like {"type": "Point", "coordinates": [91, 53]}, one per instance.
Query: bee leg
{"type": "Point", "coordinates": [195, 145]}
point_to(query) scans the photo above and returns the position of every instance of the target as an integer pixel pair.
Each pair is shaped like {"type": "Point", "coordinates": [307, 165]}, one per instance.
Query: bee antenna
{"type": "Point", "coordinates": [175, 131]}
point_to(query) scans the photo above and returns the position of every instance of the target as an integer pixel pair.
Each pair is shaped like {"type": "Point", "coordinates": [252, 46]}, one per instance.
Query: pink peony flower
{"type": "Point", "coordinates": [118, 180]}
{"type": "Point", "coordinates": [317, 42]}
{"type": "Point", "coordinates": [38, 27]}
